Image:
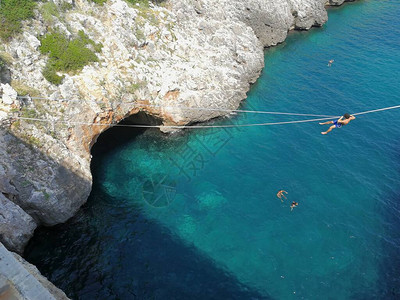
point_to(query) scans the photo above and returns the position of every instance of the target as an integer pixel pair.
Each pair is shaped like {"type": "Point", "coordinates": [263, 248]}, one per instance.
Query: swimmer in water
{"type": "Point", "coordinates": [280, 195]}
{"type": "Point", "coordinates": [294, 204]}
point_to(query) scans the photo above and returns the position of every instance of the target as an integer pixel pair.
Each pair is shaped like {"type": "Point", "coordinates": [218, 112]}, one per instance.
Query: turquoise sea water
{"type": "Point", "coordinates": [195, 215]}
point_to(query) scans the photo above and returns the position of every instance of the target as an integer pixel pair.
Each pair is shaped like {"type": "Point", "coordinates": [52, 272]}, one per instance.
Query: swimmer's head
{"type": "Point", "coordinates": [346, 115]}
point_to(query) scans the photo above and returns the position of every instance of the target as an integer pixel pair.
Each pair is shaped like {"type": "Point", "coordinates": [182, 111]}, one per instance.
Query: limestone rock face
{"type": "Point", "coordinates": [162, 59]}
{"type": "Point", "coordinates": [45, 189]}
{"type": "Point", "coordinates": [339, 2]}
{"type": "Point", "coordinates": [16, 226]}
{"type": "Point", "coordinates": [270, 20]}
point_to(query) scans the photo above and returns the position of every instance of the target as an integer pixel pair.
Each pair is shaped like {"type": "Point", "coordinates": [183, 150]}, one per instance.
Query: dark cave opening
{"type": "Point", "coordinates": [117, 136]}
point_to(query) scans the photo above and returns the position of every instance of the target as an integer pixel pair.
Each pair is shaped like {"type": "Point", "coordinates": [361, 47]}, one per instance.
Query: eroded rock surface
{"type": "Point", "coordinates": [16, 226]}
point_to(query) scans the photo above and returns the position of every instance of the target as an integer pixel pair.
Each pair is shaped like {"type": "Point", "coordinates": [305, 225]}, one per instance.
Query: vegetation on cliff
{"type": "Point", "coordinates": [145, 2]}
{"type": "Point", "coordinates": [12, 13]}
{"type": "Point", "coordinates": [100, 2]}
{"type": "Point", "coordinates": [67, 55]}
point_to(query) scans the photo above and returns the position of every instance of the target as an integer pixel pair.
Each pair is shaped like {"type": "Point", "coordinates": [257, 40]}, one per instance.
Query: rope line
{"type": "Point", "coordinates": [325, 117]}
{"type": "Point", "coordinates": [199, 126]}
{"type": "Point", "coordinates": [193, 108]}
{"type": "Point", "coordinates": [172, 126]}
{"type": "Point", "coordinates": [375, 110]}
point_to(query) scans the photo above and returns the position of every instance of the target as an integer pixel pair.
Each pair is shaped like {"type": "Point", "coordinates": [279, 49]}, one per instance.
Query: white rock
{"type": "Point", "coordinates": [32, 40]}
{"type": "Point", "coordinates": [3, 115]}
{"type": "Point", "coordinates": [9, 94]}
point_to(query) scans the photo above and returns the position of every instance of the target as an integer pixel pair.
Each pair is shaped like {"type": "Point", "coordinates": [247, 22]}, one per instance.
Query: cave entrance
{"type": "Point", "coordinates": [117, 136]}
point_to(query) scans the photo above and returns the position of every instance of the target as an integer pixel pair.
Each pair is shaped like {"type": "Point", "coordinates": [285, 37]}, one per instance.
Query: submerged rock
{"type": "Point", "coordinates": [210, 200]}
{"type": "Point", "coordinates": [187, 227]}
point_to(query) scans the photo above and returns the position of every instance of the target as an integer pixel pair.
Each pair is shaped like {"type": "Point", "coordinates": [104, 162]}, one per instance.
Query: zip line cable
{"type": "Point", "coordinates": [375, 110]}
{"type": "Point", "coordinates": [326, 117]}
{"type": "Point", "coordinates": [192, 108]}
{"type": "Point", "coordinates": [198, 126]}
{"type": "Point", "coordinates": [172, 126]}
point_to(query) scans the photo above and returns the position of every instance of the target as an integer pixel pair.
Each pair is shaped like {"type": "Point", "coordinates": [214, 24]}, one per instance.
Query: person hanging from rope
{"type": "Point", "coordinates": [280, 194]}
{"type": "Point", "coordinates": [343, 120]}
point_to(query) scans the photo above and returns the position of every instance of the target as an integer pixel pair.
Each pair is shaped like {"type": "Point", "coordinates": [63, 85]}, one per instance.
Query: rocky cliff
{"type": "Point", "coordinates": [158, 59]}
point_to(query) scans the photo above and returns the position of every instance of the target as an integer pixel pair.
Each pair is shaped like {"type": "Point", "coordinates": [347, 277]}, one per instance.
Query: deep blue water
{"type": "Point", "coordinates": [195, 215]}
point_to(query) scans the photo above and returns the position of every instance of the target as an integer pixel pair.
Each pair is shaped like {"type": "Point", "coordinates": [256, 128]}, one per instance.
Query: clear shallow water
{"type": "Point", "coordinates": [195, 215]}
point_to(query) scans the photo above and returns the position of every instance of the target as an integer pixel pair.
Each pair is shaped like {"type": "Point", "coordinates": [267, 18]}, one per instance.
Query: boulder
{"type": "Point", "coordinates": [16, 226]}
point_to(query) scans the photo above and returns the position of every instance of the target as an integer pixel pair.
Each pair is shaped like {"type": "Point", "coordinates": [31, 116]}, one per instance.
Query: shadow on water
{"type": "Point", "coordinates": [389, 280]}
{"type": "Point", "coordinates": [110, 250]}
{"type": "Point", "coordinates": [389, 267]}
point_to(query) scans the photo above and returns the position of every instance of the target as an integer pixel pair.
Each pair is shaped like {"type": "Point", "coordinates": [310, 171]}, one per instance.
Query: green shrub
{"type": "Point", "coordinates": [12, 12]}
{"type": "Point", "coordinates": [85, 39]}
{"type": "Point", "coordinates": [141, 2]}
{"type": "Point", "coordinates": [48, 10]}
{"type": "Point", "coordinates": [100, 2]}
{"type": "Point", "coordinates": [54, 44]}
{"type": "Point", "coordinates": [145, 2]}
{"type": "Point", "coordinates": [49, 72]}
{"type": "Point", "coordinates": [65, 6]}
{"type": "Point", "coordinates": [66, 55]}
